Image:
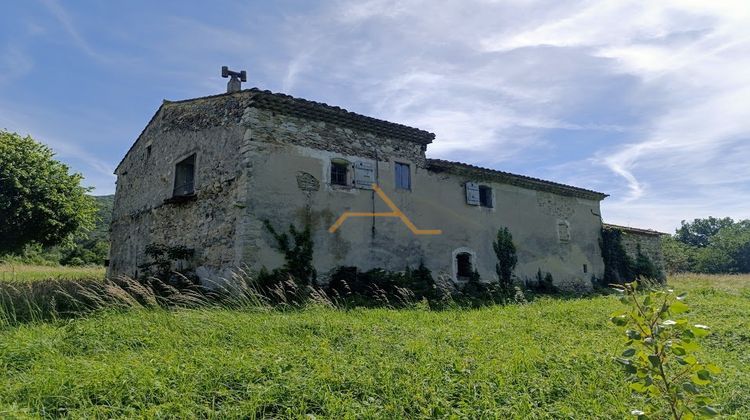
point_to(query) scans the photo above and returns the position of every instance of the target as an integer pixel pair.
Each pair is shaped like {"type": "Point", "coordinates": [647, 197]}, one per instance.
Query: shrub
{"type": "Point", "coordinates": [660, 354]}
{"type": "Point", "coordinates": [298, 255]}
{"type": "Point", "coordinates": [544, 284]}
{"type": "Point", "coordinates": [644, 267]}
{"type": "Point", "coordinates": [505, 251]}
{"type": "Point", "coordinates": [162, 260]}
{"type": "Point", "coordinates": [378, 287]}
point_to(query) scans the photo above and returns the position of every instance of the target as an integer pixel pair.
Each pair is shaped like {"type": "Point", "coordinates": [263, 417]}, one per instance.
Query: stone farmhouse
{"type": "Point", "coordinates": [205, 173]}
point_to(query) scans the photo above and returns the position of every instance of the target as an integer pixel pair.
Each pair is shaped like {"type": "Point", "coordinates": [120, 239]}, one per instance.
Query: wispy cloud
{"type": "Point", "coordinates": [62, 16]}
{"type": "Point", "coordinates": [14, 63]}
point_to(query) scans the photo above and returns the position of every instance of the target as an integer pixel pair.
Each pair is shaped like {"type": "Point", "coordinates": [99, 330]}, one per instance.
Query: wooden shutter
{"type": "Point", "coordinates": [472, 193]}
{"type": "Point", "coordinates": [364, 174]}
{"type": "Point", "coordinates": [403, 176]}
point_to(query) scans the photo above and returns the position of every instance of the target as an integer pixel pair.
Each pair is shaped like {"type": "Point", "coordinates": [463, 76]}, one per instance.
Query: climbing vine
{"type": "Point", "coordinates": [297, 247]}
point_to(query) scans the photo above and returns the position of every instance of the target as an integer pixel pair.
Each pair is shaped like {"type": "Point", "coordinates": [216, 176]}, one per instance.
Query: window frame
{"type": "Point", "coordinates": [454, 263]}
{"type": "Point", "coordinates": [341, 164]}
{"type": "Point", "coordinates": [194, 175]}
{"type": "Point", "coordinates": [488, 195]}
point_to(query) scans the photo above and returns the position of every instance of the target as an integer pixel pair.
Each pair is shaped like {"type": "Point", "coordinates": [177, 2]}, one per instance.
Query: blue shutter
{"type": "Point", "coordinates": [403, 176]}
{"type": "Point", "coordinates": [472, 193]}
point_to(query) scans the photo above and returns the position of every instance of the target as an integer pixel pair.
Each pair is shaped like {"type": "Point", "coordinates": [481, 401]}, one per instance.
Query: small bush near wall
{"type": "Point", "coordinates": [544, 283]}
{"type": "Point", "coordinates": [298, 253]}
{"type": "Point", "coordinates": [378, 287]}
{"type": "Point", "coordinates": [164, 261]}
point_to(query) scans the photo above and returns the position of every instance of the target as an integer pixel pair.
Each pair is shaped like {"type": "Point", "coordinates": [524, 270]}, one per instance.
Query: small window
{"type": "Point", "coordinates": [485, 196]}
{"type": "Point", "coordinates": [339, 173]}
{"type": "Point", "coordinates": [184, 177]}
{"type": "Point", "coordinates": [585, 268]}
{"type": "Point", "coordinates": [403, 176]}
{"type": "Point", "coordinates": [464, 268]}
{"type": "Point", "coordinates": [148, 151]}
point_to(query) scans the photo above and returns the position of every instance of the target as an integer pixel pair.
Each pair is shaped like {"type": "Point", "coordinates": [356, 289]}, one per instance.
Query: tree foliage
{"type": "Point", "coordinates": [700, 231]}
{"type": "Point", "coordinates": [709, 246]}
{"type": "Point", "coordinates": [505, 251]}
{"type": "Point", "coordinates": [40, 200]}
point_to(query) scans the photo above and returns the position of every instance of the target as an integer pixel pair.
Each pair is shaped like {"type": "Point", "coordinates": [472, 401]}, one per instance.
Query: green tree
{"type": "Point", "coordinates": [505, 251]}
{"type": "Point", "coordinates": [700, 231]}
{"type": "Point", "coordinates": [729, 250]}
{"type": "Point", "coordinates": [678, 256]}
{"type": "Point", "coordinates": [40, 200]}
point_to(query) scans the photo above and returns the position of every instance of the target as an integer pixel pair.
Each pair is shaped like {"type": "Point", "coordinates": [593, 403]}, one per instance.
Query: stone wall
{"type": "Point", "coordinates": [650, 244]}
{"type": "Point", "coordinates": [143, 213]}
{"type": "Point", "coordinates": [256, 164]}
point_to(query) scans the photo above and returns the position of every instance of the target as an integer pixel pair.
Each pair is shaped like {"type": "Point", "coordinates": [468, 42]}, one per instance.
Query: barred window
{"type": "Point", "coordinates": [339, 173]}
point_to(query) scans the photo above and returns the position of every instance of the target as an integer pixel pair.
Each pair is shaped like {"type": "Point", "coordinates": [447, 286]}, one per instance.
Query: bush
{"type": "Point", "coordinates": [544, 284]}
{"type": "Point", "coordinates": [378, 287]}
{"type": "Point", "coordinates": [505, 251]}
{"type": "Point", "coordinates": [298, 255]}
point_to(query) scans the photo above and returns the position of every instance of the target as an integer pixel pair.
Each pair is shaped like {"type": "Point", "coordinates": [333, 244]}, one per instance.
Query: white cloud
{"type": "Point", "coordinates": [69, 27]}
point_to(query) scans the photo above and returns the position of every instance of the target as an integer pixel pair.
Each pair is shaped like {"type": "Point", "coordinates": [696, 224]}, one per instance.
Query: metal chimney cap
{"type": "Point", "coordinates": [234, 84]}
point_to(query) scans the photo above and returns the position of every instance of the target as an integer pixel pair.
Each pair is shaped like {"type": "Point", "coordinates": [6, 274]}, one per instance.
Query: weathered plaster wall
{"type": "Point", "coordinates": [290, 163]}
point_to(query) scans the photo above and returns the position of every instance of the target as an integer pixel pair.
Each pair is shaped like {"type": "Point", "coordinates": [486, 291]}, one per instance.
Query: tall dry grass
{"type": "Point", "coordinates": [52, 299]}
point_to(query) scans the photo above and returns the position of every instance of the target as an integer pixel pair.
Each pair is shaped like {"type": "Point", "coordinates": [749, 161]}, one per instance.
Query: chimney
{"type": "Point", "coordinates": [236, 79]}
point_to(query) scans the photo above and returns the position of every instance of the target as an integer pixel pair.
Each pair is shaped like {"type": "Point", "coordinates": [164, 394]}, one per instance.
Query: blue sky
{"type": "Point", "coordinates": [646, 101]}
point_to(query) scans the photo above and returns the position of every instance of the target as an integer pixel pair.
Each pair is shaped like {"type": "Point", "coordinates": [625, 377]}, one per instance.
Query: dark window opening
{"type": "Point", "coordinates": [184, 177]}
{"type": "Point", "coordinates": [148, 151]}
{"type": "Point", "coordinates": [339, 173]}
{"type": "Point", "coordinates": [585, 268]}
{"type": "Point", "coordinates": [403, 176]}
{"type": "Point", "coordinates": [464, 269]}
{"type": "Point", "coordinates": [485, 196]}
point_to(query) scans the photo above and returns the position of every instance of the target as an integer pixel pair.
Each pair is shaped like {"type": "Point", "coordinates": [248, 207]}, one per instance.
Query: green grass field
{"type": "Point", "coordinates": [549, 358]}
{"type": "Point", "coordinates": [20, 272]}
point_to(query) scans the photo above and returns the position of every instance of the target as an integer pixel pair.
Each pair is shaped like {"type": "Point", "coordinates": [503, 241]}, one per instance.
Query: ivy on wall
{"type": "Point", "coordinates": [619, 267]}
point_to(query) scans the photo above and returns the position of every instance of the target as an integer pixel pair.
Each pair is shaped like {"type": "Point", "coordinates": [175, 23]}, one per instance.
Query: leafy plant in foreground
{"type": "Point", "coordinates": [659, 357]}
